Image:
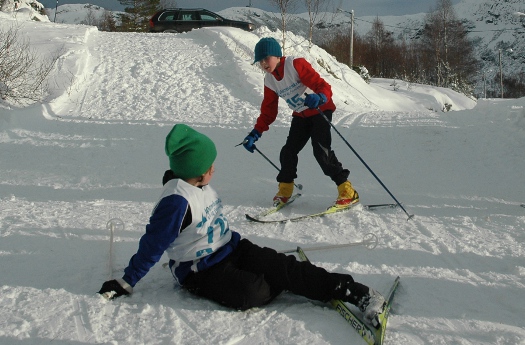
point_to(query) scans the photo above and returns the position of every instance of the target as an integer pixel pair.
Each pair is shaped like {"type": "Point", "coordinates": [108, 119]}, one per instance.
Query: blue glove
{"type": "Point", "coordinates": [314, 100]}
{"type": "Point", "coordinates": [249, 141]}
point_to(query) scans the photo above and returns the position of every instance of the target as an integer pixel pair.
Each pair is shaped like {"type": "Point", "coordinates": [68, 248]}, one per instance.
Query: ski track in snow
{"type": "Point", "coordinates": [94, 151]}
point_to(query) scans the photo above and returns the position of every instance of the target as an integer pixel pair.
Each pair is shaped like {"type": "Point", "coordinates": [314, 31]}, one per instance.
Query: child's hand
{"type": "Point", "coordinates": [249, 141]}
{"type": "Point", "coordinates": [313, 100]}
{"type": "Point", "coordinates": [115, 288]}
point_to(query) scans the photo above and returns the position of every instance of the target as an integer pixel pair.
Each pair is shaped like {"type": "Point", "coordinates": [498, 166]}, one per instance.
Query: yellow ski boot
{"type": "Point", "coordinates": [284, 193]}
{"type": "Point", "coordinates": [347, 195]}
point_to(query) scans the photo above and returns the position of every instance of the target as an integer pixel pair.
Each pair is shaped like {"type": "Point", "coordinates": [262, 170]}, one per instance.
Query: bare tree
{"type": "Point", "coordinates": [23, 73]}
{"type": "Point", "coordinates": [379, 51]}
{"type": "Point", "coordinates": [284, 7]}
{"type": "Point", "coordinates": [447, 54]}
{"type": "Point", "coordinates": [314, 8]}
{"type": "Point", "coordinates": [91, 16]}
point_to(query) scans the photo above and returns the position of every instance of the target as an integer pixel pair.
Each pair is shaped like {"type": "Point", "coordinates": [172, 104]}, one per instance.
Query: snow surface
{"type": "Point", "coordinates": [492, 25]}
{"type": "Point", "coordinates": [93, 151]}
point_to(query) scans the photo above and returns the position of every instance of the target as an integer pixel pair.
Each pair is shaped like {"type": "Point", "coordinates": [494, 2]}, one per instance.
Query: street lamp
{"type": "Point", "coordinates": [351, 59]}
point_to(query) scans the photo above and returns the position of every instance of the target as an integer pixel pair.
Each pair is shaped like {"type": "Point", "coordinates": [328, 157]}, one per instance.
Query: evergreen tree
{"type": "Point", "coordinates": [137, 14]}
{"type": "Point", "coordinates": [107, 22]}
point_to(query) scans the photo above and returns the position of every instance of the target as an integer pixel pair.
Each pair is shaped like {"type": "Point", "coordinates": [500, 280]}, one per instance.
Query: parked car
{"type": "Point", "coordinates": [184, 19]}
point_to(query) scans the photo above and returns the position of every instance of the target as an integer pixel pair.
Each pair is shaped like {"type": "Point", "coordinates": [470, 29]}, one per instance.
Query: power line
{"type": "Point", "coordinates": [391, 26]}
{"type": "Point", "coordinates": [404, 28]}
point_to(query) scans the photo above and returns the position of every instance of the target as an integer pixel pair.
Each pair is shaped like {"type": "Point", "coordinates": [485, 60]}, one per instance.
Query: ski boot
{"type": "Point", "coordinates": [347, 195]}
{"type": "Point", "coordinates": [283, 194]}
{"type": "Point", "coordinates": [368, 300]}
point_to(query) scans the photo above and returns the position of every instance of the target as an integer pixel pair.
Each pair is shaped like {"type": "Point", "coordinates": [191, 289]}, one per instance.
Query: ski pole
{"type": "Point", "coordinates": [369, 241]}
{"type": "Point", "coordinates": [299, 186]}
{"type": "Point", "coordinates": [364, 163]}
{"type": "Point", "coordinates": [112, 225]}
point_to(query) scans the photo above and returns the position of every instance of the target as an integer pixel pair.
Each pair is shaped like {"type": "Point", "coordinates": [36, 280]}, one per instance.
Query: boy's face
{"type": "Point", "coordinates": [269, 63]}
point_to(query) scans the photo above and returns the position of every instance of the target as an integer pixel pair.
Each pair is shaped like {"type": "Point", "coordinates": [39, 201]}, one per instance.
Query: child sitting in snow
{"type": "Point", "coordinates": [210, 260]}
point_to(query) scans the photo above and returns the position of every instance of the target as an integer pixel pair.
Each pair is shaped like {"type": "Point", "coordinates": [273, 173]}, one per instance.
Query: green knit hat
{"type": "Point", "coordinates": [191, 153]}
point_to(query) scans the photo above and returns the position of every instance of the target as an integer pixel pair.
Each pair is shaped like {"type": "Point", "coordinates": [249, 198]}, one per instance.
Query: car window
{"type": "Point", "coordinates": [168, 16]}
{"type": "Point", "coordinates": [187, 15]}
{"type": "Point", "coordinates": [209, 16]}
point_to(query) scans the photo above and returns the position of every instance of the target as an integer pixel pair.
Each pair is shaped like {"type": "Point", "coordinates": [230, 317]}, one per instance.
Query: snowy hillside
{"type": "Point", "coordinates": [77, 14]}
{"type": "Point", "coordinates": [491, 23]}
{"type": "Point", "coordinates": [24, 10]}
{"type": "Point", "coordinates": [93, 150]}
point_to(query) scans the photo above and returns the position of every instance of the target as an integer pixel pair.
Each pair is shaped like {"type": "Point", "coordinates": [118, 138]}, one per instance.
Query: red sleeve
{"type": "Point", "coordinates": [269, 109]}
{"type": "Point", "coordinates": [309, 77]}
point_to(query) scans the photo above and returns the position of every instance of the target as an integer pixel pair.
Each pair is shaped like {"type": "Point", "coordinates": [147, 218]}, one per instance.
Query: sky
{"type": "Point", "coordinates": [360, 7]}
{"type": "Point", "coordinates": [93, 150]}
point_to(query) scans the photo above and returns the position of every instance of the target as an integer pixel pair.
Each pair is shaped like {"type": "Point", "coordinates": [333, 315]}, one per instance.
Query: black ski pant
{"type": "Point", "coordinates": [253, 276]}
{"type": "Point", "coordinates": [317, 129]}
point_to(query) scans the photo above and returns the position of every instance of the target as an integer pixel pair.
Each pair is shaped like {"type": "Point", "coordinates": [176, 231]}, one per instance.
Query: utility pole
{"type": "Point", "coordinates": [351, 59]}
{"type": "Point", "coordinates": [484, 85]}
{"type": "Point", "coordinates": [352, 40]}
{"type": "Point", "coordinates": [56, 9]}
{"type": "Point", "coordinates": [500, 74]}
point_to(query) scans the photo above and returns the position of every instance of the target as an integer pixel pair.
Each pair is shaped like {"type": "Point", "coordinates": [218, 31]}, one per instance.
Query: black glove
{"type": "Point", "coordinates": [115, 288]}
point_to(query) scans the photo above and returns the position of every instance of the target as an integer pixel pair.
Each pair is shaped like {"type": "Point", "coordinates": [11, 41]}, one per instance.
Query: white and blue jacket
{"type": "Point", "coordinates": [187, 223]}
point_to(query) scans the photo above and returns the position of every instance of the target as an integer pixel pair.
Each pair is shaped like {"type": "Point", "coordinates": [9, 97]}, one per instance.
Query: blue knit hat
{"type": "Point", "coordinates": [267, 46]}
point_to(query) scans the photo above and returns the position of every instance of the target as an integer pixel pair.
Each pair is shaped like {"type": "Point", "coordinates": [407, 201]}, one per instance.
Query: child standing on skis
{"type": "Point", "coordinates": [290, 78]}
{"type": "Point", "coordinates": [210, 260]}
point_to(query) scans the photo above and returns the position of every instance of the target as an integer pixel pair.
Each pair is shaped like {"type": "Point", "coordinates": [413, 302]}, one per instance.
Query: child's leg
{"type": "Point", "coordinates": [285, 272]}
{"type": "Point", "coordinates": [321, 144]}
{"type": "Point", "coordinates": [230, 286]}
{"type": "Point", "coordinates": [297, 138]}
{"type": "Point", "coordinates": [253, 276]}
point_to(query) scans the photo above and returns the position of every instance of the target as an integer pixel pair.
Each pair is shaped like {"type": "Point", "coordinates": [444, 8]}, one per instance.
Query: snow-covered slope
{"type": "Point", "coordinates": [93, 150]}
{"type": "Point", "coordinates": [24, 10]}
{"type": "Point", "coordinates": [491, 23]}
